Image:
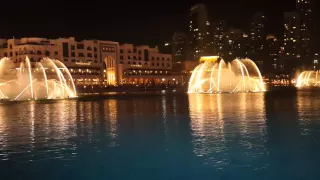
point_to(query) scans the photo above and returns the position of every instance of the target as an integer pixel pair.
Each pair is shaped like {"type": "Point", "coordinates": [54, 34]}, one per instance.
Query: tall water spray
{"type": "Point", "coordinates": [213, 76]}
{"type": "Point", "coordinates": [308, 79]}
{"type": "Point", "coordinates": [47, 79]}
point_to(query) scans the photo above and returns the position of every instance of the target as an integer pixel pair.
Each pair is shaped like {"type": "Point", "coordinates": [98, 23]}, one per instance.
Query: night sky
{"type": "Point", "coordinates": [132, 21]}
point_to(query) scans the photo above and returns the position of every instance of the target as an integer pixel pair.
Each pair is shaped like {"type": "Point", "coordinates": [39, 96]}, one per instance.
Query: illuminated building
{"type": "Point", "coordinates": [258, 32]}
{"type": "Point", "coordinates": [94, 62]}
{"type": "Point", "coordinates": [304, 10]}
{"type": "Point", "coordinates": [200, 37]}
{"type": "Point", "coordinates": [179, 48]}
{"type": "Point", "coordinates": [85, 59]}
{"type": "Point", "coordinates": [291, 48]}
{"type": "Point", "coordinates": [218, 38]}
{"type": "Point", "coordinates": [258, 39]}
{"type": "Point", "coordinates": [291, 36]}
{"type": "Point", "coordinates": [273, 48]}
{"type": "Point", "coordinates": [142, 65]}
{"type": "Point", "coordinates": [234, 44]}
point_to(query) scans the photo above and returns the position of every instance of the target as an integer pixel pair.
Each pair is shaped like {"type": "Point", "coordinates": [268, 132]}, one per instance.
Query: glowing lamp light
{"type": "Point", "coordinates": [209, 59]}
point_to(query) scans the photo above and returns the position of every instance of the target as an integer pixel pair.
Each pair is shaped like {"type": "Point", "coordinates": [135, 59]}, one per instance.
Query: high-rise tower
{"type": "Point", "coordinates": [199, 31]}
{"type": "Point", "coordinates": [305, 11]}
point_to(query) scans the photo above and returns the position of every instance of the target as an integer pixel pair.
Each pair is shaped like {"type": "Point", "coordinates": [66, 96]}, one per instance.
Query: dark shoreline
{"type": "Point", "coordinates": [142, 91]}
{"type": "Point", "coordinates": [159, 90]}
{"type": "Point", "coordinates": [127, 90]}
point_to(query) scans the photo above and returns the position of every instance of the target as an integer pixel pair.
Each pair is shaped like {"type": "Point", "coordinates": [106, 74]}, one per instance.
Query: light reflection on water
{"type": "Point", "coordinates": [163, 136]}
{"type": "Point", "coordinates": [223, 124]}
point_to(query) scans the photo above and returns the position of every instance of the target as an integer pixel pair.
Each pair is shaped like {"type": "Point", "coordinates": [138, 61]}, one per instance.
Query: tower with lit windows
{"type": "Point", "coordinates": [291, 36]}
{"type": "Point", "coordinates": [199, 31]}
{"type": "Point", "coordinates": [258, 32]}
{"type": "Point", "coordinates": [257, 39]}
{"type": "Point", "coordinates": [304, 9]}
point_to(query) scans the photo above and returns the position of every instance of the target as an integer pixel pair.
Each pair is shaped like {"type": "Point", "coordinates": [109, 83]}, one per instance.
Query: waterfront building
{"type": "Point", "coordinates": [143, 65]}
{"type": "Point", "coordinates": [85, 60]}
{"type": "Point", "coordinates": [91, 62]}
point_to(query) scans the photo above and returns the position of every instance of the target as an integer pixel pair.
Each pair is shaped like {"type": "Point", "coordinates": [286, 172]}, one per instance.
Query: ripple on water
{"type": "Point", "coordinates": [238, 136]}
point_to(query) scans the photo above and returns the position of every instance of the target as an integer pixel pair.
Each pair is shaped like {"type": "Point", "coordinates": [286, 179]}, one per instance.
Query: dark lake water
{"type": "Point", "coordinates": [273, 135]}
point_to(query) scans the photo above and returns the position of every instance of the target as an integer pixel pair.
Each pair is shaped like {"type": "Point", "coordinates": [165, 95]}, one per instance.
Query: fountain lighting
{"type": "Point", "coordinates": [214, 76]}
{"type": "Point", "coordinates": [308, 79]}
{"type": "Point", "coordinates": [47, 79]}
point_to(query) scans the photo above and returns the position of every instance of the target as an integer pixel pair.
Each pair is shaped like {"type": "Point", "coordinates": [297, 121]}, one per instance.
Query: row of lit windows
{"type": "Point", "coordinates": [152, 64]}
{"type": "Point", "coordinates": [108, 49]}
{"type": "Point", "coordinates": [80, 46]}
{"type": "Point", "coordinates": [81, 61]}
{"type": "Point", "coordinates": [80, 54]}
{"type": "Point", "coordinates": [26, 52]}
{"type": "Point", "coordinates": [85, 71]}
{"type": "Point", "coordinates": [130, 51]}
{"type": "Point", "coordinates": [144, 72]}
{"type": "Point", "coordinates": [139, 58]}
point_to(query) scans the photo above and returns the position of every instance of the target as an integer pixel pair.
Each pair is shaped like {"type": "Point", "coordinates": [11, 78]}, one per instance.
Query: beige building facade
{"type": "Point", "coordinates": [95, 62]}
{"type": "Point", "coordinates": [85, 59]}
{"type": "Point", "coordinates": [143, 65]}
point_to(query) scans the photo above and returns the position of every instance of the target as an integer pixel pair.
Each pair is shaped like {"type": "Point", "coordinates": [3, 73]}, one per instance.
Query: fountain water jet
{"type": "Point", "coordinates": [308, 79]}
{"type": "Point", "coordinates": [34, 81]}
{"type": "Point", "coordinates": [212, 76]}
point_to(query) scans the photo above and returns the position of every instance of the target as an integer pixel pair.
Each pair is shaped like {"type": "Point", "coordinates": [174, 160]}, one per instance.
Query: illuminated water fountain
{"type": "Point", "coordinates": [47, 79]}
{"type": "Point", "coordinates": [213, 76]}
{"type": "Point", "coordinates": [308, 79]}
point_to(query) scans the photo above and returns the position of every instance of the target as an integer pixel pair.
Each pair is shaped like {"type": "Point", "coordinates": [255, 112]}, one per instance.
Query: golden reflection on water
{"type": "Point", "coordinates": [31, 124]}
{"type": "Point", "coordinates": [219, 121]}
{"type": "Point", "coordinates": [111, 111]}
{"type": "Point", "coordinates": [3, 133]}
{"type": "Point", "coordinates": [48, 126]}
{"type": "Point", "coordinates": [58, 128]}
{"type": "Point", "coordinates": [308, 103]}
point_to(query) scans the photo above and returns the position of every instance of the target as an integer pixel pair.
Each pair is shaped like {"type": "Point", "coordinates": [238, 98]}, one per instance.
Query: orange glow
{"type": "Point", "coordinates": [209, 59]}
{"type": "Point", "coordinates": [308, 79]}
{"type": "Point", "coordinates": [236, 76]}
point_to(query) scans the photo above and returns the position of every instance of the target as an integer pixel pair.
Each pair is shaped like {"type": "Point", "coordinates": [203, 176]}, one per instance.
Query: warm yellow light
{"type": "Point", "coordinates": [209, 59]}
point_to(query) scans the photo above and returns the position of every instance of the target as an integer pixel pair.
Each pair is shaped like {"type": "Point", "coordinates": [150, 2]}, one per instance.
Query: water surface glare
{"type": "Point", "coordinates": [272, 135]}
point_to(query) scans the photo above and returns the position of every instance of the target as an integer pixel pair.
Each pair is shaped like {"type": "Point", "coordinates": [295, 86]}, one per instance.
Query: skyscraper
{"type": "Point", "coordinates": [199, 35]}
{"type": "Point", "coordinates": [258, 39]}
{"type": "Point", "coordinates": [291, 49]}
{"type": "Point", "coordinates": [291, 36]}
{"type": "Point", "coordinates": [233, 44]}
{"type": "Point", "coordinates": [220, 28]}
{"type": "Point", "coordinates": [258, 32]}
{"type": "Point", "coordinates": [272, 59]}
{"type": "Point", "coordinates": [304, 10]}
{"type": "Point", "coordinates": [179, 48]}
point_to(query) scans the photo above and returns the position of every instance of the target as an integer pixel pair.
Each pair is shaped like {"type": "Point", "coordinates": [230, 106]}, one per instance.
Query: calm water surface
{"type": "Point", "coordinates": [274, 135]}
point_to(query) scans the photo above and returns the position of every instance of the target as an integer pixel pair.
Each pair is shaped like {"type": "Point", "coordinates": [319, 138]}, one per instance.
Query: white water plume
{"type": "Point", "coordinates": [221, 77]}
{"type": "Point", "coordinates": [47, 79]}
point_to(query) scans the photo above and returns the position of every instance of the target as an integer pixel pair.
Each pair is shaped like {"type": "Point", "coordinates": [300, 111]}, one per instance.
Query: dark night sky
{"type": "Point", "coordinates": [132, 21]}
